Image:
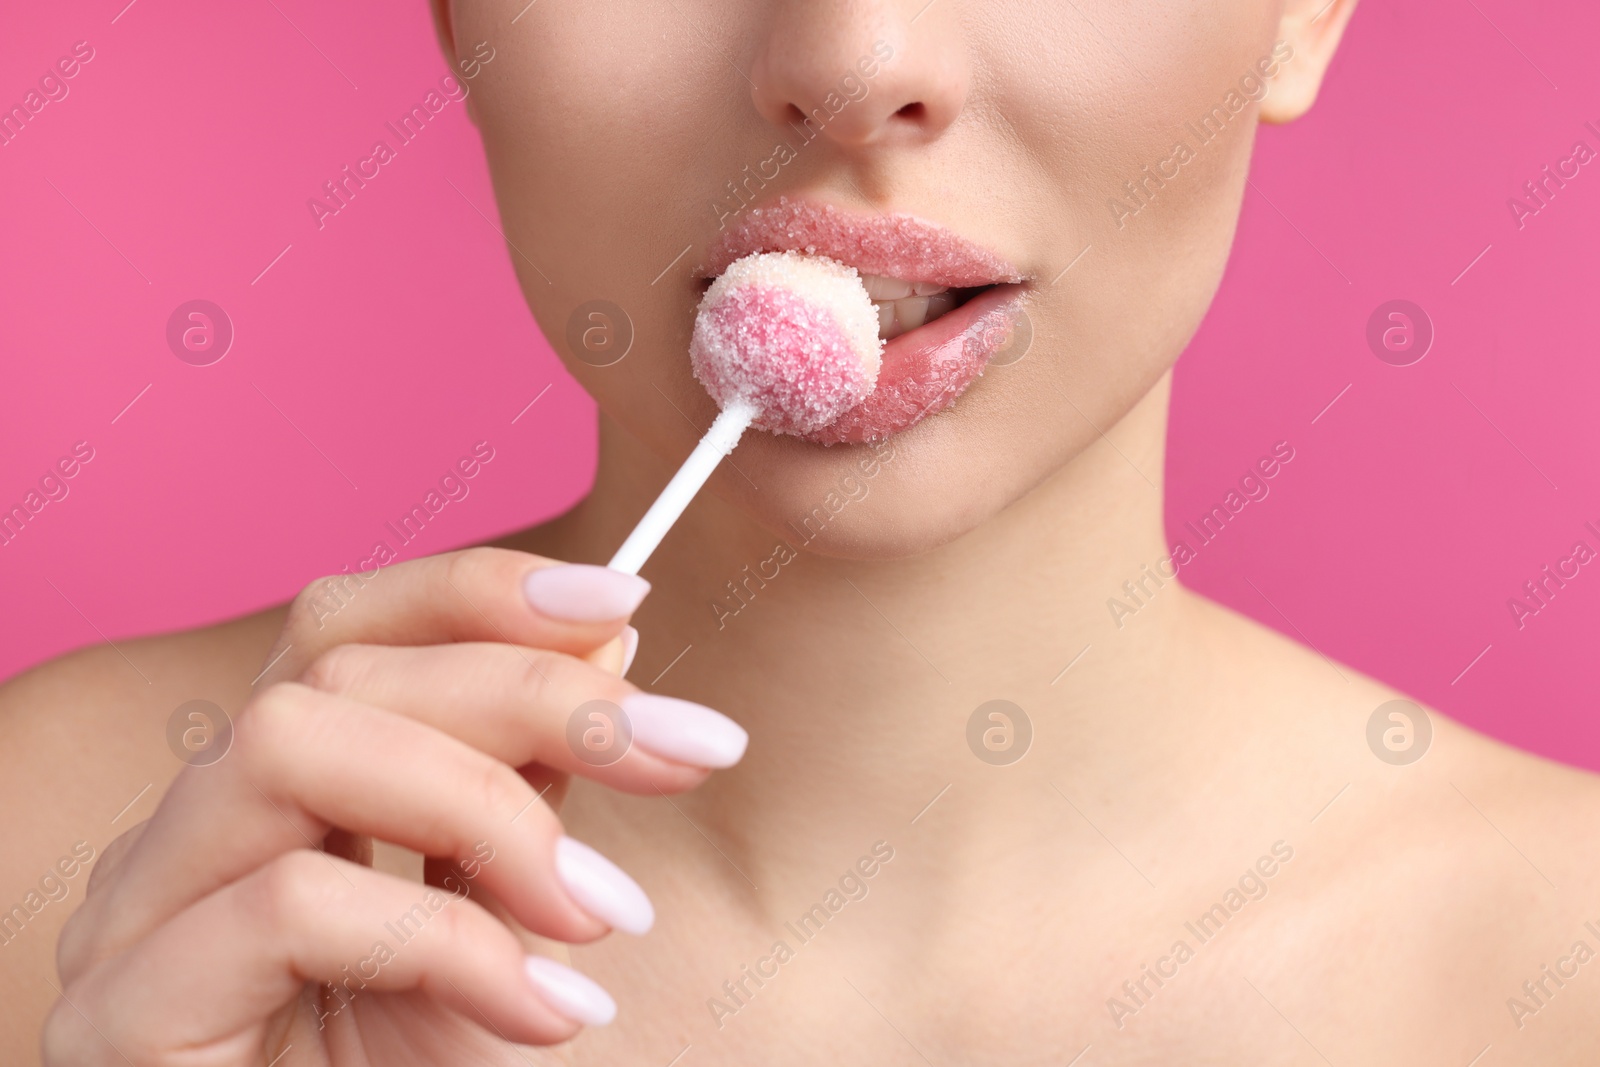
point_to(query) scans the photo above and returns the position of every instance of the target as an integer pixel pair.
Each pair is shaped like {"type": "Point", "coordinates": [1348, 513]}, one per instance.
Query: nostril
{"type": "Point", "coordinates": [913, 112]}
{"type": "Point", "coordinates": [794, 114]}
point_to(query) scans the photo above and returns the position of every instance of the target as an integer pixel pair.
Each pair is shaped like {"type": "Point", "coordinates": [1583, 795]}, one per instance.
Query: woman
{"type": "Point", "coordinates": [977, 821]}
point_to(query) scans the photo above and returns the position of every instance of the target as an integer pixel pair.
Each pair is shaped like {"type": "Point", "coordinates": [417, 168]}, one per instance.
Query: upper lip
{"type": "Point", "coordinates": [896, 246]}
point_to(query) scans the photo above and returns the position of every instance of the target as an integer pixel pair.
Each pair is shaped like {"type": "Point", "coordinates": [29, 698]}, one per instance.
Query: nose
{"type": "Point", "coordinates": [861, 73]}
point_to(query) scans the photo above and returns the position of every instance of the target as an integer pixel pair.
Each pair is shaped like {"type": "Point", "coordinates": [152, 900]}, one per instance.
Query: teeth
{"type": "Point", "coordinates": [906, 305]}
{"type": "Point", "coordinates": [911, 311]}
{"type": "Point", "coordinates": [881, 288]}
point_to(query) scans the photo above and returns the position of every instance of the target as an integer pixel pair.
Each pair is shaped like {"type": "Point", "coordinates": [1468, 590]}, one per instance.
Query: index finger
{"type": "Point", "coordinates": [475, 594]}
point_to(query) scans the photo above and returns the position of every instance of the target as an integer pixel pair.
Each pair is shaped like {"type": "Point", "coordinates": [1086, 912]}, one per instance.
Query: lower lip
{"type": "Point", "coordinates": [925, 369]}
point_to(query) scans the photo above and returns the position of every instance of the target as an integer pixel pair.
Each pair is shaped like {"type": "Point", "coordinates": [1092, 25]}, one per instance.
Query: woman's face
{"type": "Point", "coordinates": [1094, 149]}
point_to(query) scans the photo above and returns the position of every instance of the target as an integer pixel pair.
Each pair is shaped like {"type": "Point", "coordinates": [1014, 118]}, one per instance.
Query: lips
{"type": "Point", "coordinates": [925, 370]}
{"type": "Point", "coordinates": [946, 304]}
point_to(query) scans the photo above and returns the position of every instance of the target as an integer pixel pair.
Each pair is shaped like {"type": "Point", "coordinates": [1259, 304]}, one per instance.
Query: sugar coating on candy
{"type": "Point", "coordinates": [795, 335]}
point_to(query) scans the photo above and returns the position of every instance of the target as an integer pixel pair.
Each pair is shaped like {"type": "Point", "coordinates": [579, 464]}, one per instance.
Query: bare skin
{"type": "Point", "coordinates": [1019, 903]}
{"type": "Point", "coordinates": [1378, 913]}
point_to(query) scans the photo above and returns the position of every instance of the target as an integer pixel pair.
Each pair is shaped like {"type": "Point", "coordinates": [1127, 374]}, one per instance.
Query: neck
{"type": "Point", "coordinates": [857, 680]}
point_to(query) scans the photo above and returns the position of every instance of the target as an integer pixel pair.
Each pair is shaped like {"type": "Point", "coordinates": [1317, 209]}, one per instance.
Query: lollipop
{"type": "Point", "coordinates": [794, 336]}
{"type": "Point", "coordinates": [782, 341]}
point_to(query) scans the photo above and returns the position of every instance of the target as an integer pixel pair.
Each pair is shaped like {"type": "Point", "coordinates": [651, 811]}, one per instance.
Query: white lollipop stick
{"type": "Point", "coordinates": [724, 434]}
{"type": "Point", "coordinates": [782, 341]}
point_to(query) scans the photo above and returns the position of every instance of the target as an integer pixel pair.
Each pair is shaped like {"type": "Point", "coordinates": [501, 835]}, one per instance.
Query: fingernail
{"type": "Point", "coordinates": [603, 889]}
{"type": "Point", "coordinates": [630, 646]}
{"type": "Point", "coordinates": [581, 592]}
{"type": "Point", "coordinates": [574, 995]}
{"type": "Point", "coordinates": [688, 733]}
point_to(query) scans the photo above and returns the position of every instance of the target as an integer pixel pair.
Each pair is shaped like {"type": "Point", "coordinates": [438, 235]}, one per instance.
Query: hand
{"type": "Point", "coordinates": [431, 710]}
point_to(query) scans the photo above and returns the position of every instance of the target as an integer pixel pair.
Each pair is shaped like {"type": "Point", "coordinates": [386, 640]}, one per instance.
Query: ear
{"type": "Point", "coordinates": [1311, 30]}
{"type": "Point", "coordinates": [445, 28]}
{"type": "Point", "coordinates": [441, 26]}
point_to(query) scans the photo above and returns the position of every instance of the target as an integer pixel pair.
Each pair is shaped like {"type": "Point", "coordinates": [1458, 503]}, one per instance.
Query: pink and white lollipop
{"type": "Point", "coordinates": [795, 336]}
{"type": "Point", "coordinates": [782, 341]}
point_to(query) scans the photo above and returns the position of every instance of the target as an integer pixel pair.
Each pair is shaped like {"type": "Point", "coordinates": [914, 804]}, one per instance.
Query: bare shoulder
{"type": "Point", "coordinates": [84, 756]}
{"type": "Point", "coordinates": [1515, 878]}
{"type": "Point", "coordinates": [1446, 886]}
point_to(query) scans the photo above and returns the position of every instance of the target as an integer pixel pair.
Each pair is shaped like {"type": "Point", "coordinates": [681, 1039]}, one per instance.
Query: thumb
{"type": "Point", "coordinates": [616, 655]}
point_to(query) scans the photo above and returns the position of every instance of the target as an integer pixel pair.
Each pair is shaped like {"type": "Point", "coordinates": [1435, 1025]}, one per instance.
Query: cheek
{"type": "Point", "coordinates": [598, 117]}
{"type": "Point", "coordinates": [607, 129]}
{"type": "Point", "coordinates": [1154, 232]}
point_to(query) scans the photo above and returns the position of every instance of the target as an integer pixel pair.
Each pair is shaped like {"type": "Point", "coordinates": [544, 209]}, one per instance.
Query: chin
{"type": "Point", "coordinates": [904, 495]}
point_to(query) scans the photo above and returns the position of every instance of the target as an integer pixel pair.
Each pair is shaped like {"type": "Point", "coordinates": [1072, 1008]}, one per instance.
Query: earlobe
{"type": "Point", "coordinates": [1309, 32]}
{"type": "Point", "coordinates": [446, 32]}
{"type": "Point", "coordinates": [445, 29]}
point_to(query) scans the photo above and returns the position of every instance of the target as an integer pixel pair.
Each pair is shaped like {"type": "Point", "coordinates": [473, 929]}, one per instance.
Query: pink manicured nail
{"type": "Point", "coordinates": [603, 889]}
{"type": "Point", "coordinates": [688, 733]}
{"type": "Point", "coordinates": [630, 646]}
{"type": "Point", "coordinates": [581, 592]}
{"type": "Point", "coordinates": [574, 995]}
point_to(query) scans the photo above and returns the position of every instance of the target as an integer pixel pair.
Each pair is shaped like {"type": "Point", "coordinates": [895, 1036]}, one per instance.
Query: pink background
{"type": "Point", "coordinates": [378, 350]}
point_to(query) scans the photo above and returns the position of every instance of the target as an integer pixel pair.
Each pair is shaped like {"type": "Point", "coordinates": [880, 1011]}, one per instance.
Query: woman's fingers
{"type": "Point", "coordinates": [617, 654]}
{"type": "Point", "coordinates": [415, 745]}
{"type": "Point", "coordinates": [431, 770]}
{"type": "Point", "coordinates": [204, 983]}
{"type": "Point", "coordinates": [111, 857]}
{"type": "Point", "coordinates": [525, 705]}
{"type": "Point", "coordinates": [477, 594]}
{"type": "Point", "coordinates": [307, 761]}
